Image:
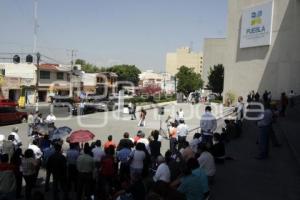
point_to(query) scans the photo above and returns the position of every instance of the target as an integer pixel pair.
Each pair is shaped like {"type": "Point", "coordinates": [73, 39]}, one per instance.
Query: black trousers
{"type": "Point", "coordinates": [30, 181]}
{"type": "Point", "coordinates": [84, 185]}
{"type": "Point", "coordinates": [60, 181]}
{"type": "Point", "coordinates": [173, 143]}
{"type": "Point", "coordinates": [181, 142]}
{"type": "Point", "coordinates": [72, 177]}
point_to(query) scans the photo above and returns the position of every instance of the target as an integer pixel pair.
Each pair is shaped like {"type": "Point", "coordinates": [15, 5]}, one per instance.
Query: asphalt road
{"type": "Point", "coordinates": [45, 110]}
{"type": "Point", "coordinates": [103, 124]}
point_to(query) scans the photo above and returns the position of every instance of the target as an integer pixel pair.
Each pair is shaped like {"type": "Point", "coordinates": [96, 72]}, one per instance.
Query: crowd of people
{"type": "Point", "coordinates": [133, 168]}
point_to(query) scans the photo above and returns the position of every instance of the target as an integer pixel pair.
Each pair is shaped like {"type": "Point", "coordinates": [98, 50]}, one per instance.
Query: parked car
{"type": "Point", "coordinates": [88, 109]}
{"type": "Point", "coordinates": [10, 115]}
{"type": "Point", "coordinates": [61, 101]}
{"type": "Point", "coordinates": [104, 105]}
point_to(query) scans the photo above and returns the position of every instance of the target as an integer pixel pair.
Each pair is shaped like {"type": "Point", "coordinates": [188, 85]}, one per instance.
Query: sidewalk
{"type": "Point", "coordinates": [290, 127]}
{"type": "Point", "coordinates": [245, 178]}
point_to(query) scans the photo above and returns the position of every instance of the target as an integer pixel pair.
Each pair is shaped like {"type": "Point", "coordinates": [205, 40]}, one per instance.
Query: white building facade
{"type": "Point", "coordinates": [184, 57]}
{"type": "Point", "coordinates": [262, 47]}
{"type": "Point", "coordinates": [16, 80]}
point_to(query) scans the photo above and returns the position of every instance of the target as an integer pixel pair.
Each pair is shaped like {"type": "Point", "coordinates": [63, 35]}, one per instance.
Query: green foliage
{"type": "Point", "coordinates": [126, 73]}
{"type": "Point", "coordinates": [216, 78]}
{"type": "Point", "coordinates": [229, 98]}
{"type": "Point", "coordinates": [89, 68]}
{"type": "Point", "coordinates": [188, 80]}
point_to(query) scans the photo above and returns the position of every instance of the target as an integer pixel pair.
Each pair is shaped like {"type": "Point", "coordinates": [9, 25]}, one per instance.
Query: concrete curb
{"type": "Point", "coordinates": [155, 105]}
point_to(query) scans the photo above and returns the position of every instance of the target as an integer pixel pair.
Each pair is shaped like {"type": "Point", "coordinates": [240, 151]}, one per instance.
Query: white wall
{"type": "Point", "coordinates": [89, 79]}
{"type": "Point", "coordinates": [21, 70]}
{"type": "Point", "coordinates": [213, 54]}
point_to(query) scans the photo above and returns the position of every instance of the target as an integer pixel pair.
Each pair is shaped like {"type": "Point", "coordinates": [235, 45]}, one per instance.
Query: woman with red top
{"type": "Point", "coordinates": [107, 171]}
{"type": "Point", "coordinates": [109, 143]}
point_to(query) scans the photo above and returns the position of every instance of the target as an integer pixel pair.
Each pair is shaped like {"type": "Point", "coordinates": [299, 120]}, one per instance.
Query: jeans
{"type": "Point", "coordinates": [173, 143]}
{"type": "Point", "coordinates": [263, 141]}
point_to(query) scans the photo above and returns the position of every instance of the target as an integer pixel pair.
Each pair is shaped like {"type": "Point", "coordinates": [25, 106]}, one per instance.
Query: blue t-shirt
{"type": "Point", "coordinates": [191, 187]}
{"type": "Point", "coordinates": [203, 178]}
{"type": "Point", "coordinates": [123, 155]}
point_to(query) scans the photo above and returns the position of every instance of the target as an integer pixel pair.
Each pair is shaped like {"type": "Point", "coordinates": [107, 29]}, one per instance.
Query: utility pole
{"type": "Point", "coordinates": [73, 54]}
{"type": "Point", "coordinates": [38, 57]}
{"type": "Point", "coordinates": [35, 26]}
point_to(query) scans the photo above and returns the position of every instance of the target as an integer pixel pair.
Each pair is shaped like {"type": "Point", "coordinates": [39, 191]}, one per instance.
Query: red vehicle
{"type": "Point", "coordinates": [9, 114]}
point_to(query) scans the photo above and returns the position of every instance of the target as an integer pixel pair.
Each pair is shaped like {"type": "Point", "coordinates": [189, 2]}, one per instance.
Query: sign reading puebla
{"type": "Point", "coordinates": [256, 29]}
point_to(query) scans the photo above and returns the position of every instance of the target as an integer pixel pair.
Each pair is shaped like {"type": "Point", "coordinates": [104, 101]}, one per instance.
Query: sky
{"type": "Point", "coordinates": [108, 32]}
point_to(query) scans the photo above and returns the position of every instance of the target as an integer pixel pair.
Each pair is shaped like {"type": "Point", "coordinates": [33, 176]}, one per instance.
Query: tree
{"type": "Point", "coordinates": [87, 67]}
{"type": "Point", "coordinates": [216, 79]}
{"type": "Point", "coordinates": [188, 80]}
{"type": "Point", "coordinates": [128, 73]}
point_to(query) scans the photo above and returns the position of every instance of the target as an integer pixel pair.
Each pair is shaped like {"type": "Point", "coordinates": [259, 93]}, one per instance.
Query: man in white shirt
{"type": "Point", "coordinates": [181, 114]}
{"type": "Point", "coordinates": [163, 172]}
{"type": "Point", "coordinates": [17, 141]}
{"type": "Point", "coordinates": [50, 118]}
{"type": "Point", "coordinates": [36, 150]}
{"type": "Point", "coordinates": [182, 132]}
{"type": "Point", "coordinates": [206, 162]}
{"type": "Point", "coordinates": [144, 140]}
{"type": "Point", "coordinates": [208, 125]}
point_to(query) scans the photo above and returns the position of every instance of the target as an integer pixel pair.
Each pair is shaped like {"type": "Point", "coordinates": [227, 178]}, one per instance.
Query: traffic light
{"type": "Point", "coordinates": [29, 58]}
{"type": "Point", "coordinates": [16, 59]}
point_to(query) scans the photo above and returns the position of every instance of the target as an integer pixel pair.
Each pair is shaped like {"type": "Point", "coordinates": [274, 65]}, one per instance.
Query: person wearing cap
{"type": "Point", "coordinates": [163, 172]}
{"type": "Point", "coordinates": [208, 125]}
{"type": "Point", "coordinates": [14, 132]}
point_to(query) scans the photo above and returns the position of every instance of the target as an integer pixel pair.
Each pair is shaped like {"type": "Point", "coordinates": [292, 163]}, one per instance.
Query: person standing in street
{"type": "Point", "coordinates": [240, 115]}
{"type": "Point", "coordinates": [182, 132]}
{"type": "Point", "coordinates": [284, 102]}
{"type": "Point", "coordinates": [181, 114]}
{"type": "Point", "coordinates": [81, 107]}
{"type": "Point", "coordinates": [208, 125]}
{"type": "Point", "coordinates": [29, 170]}
{"type": "Point", "coordinates": [291, 98]}
{"type": "Point", "coordinates": [173, 137]}
{"type": "Point", "coordinates": [30, 122]}
{"type": "Point", "coordinates": [57, 165]}
{"type": "Point", "coordinates": [142, 117]}
{"type": "Point", "coordinates": [133, 110]}
{"type": "Point", "coordinates": [85, 166]}
{"type": "Point", "coordinates": [264, 125]}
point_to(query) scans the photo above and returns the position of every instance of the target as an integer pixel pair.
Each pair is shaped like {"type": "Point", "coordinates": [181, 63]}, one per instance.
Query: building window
{"type": "Point", "coordinates": [60, 76]}
{"type": "Point", "coordinates": [44, 75]}
{"type": "Point", "coordinates": [2, 72]}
